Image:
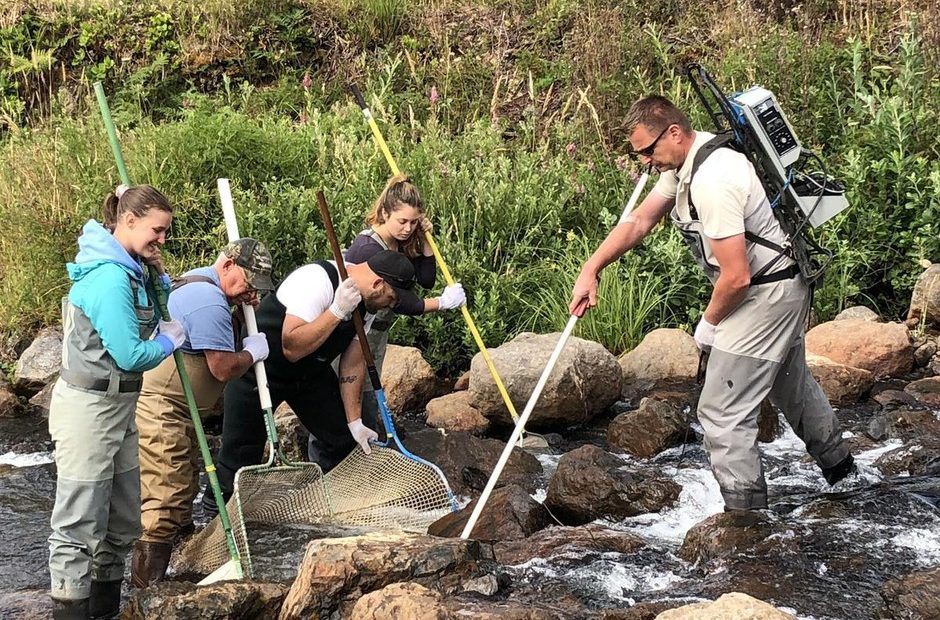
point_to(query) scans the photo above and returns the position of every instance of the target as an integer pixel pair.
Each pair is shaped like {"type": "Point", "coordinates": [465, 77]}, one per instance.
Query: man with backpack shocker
{"type": "Point", "coordinates": [753, 324]}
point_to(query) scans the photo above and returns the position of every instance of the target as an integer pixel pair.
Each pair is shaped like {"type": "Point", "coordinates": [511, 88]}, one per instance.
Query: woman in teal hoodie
{"type": "Point", "coordinates": [107, 321]}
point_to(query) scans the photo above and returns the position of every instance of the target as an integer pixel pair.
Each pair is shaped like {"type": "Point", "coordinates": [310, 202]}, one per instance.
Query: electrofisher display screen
{"type": "Point", "coordinates": [768, 115]}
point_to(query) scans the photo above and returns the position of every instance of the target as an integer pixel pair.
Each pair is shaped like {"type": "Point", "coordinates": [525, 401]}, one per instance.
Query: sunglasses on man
{"type": "Point", "coordinates": [649, 150]}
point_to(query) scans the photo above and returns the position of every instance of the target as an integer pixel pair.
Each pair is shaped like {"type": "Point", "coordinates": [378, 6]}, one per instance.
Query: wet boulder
{"type": "Point", "coordinates": [925, 299]}
{"type": "Point", "coordinates": [884, 349]}
{"type": "Point", "coordinates": [26, 605]}
{"type": "Point", "coordinates": [732, 605]}
{"type": "Point", "coordinates": [509, 514]}
{"type": "Point", "coordinates": [336, 572]}
{"type": "Point", "coordinates": [413, 601]}
{"type": "Point", "coordinates": [292, 434]}
{"type": "Point", "coordinates": [768, 423]}
{"type": "Point", "coordinates": [664, 357]}
{"type": "Point", "coordinates": [468, 461]}
{"type": "Point", "coordinates": [918, 458]}
{"type": "Point", "coordinates": [408, 380]}
{"type": "Point", "coordinates": [454, 412]}
{"type": "Point", "coordinates": [725, 534]}
{"type": "Point", "coordinates": [916, 595]}
{"type": "Point", "coordinates": [923, 353]}
{"type": "Point", "coordinates": [926, 391]}
{"type": "Point", "coordinates": [590, 483]}
{"type": "Point", "coordinates": [180, 600]}
{"type": "Point", "coordinates": [857, 313]}
{"type": "Point", "coordinates": [913, 425]}
{"type": "Point", "coordinates": [895, 399]}
{"type": "Point", "coordinates": [563, 540]}
{"type": "Point", "coordinates": [654, 427]}
{"type": "Point", "coordinates": [842, 384]}
{"type": "Point", "coordinates": [584, 382]}
{"type": "Point", "coordinates": [10, 406]}
{"type": "Point", "coordinates": [40, 362]}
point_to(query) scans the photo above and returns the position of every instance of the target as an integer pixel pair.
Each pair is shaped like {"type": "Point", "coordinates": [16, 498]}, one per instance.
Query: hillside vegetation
{"type": "Point", "coordinates": [505, 112]}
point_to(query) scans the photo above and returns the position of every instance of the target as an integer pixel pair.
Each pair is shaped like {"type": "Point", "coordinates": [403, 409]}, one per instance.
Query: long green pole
{"type": "Point", "coordinates": [160, 294]}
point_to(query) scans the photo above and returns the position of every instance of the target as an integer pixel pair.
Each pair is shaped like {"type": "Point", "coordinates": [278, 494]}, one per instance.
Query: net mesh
{"type": "Point", "coordinates": [382, 490]}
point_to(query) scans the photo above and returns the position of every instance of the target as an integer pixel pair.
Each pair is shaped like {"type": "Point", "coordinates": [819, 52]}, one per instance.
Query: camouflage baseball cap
{"type": "Point", "coordinates": [251, 255]}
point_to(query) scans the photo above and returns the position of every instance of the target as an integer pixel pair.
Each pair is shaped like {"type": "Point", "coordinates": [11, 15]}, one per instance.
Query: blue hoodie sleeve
{"type": "Point", "coordinates": [105, 298]}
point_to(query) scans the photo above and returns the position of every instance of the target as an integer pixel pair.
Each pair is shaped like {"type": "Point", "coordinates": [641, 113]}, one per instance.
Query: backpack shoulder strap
{"type": "Point", "coordinates": [331, 271]}
{"type": "Point", "coordinates": [722, 140]}
{"type": "Point", "coordinates": [184, 280]}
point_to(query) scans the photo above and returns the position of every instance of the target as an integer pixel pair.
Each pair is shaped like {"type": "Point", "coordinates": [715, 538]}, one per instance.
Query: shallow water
{"type": "Point", "coordinates": [836, 549]}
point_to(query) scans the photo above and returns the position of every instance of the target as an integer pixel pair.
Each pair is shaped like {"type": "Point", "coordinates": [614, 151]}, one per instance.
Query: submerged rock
{"type": "Point", "coordinates": [725, 534]}
{"type": "Point", "coordinates": [509, 514]}
{"type": "Point", "coordinates": [733, 605]}
{"type": "Point", "coordinates": [468, 461]}
{"type": "Point", "coordinates": [336, 572]}
{"type": "Point", "coordinates": [562, 540]}
{"type": "Point", "coordinates": [585, 381]}
{"type": "Point", "coordinates": [180, 600]}
{"type": "Point", "coordinates": [590, 483]}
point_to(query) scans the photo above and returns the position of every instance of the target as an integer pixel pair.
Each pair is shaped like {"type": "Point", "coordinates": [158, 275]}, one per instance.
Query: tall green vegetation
{"type": "Point", "coordinates": [506, 113]}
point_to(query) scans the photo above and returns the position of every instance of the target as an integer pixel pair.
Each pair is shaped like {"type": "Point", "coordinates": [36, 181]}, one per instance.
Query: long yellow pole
{"type": "Point", "coordinates": [377, 134]}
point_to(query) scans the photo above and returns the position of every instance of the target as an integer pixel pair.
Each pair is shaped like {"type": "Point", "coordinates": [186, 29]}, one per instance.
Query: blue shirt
{"type": "Point", "coordinates": [204, 311]}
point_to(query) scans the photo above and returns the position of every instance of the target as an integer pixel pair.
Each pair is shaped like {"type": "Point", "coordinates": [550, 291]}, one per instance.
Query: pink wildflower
{"type": "Point", "coordinates": [434, 96]}
{"type": "Point", "coordinates": [621, 163]}
{"type": "Point", "coordinates": [570, 149]}
{"type": "Point", "coordinates": [306, 82]}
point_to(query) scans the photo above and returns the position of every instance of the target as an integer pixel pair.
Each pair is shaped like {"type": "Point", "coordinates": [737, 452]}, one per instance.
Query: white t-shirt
{"type": "Point", "coordinates": [729, 199]}
{"type": "Point", "coordinates": [307, 293]}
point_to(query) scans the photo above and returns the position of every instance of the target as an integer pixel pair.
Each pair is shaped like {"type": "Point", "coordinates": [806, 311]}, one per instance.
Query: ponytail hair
{"type": "Point", "coordinates": [399, 191]}
{"type": "Point", "coordinates": [138, 200]}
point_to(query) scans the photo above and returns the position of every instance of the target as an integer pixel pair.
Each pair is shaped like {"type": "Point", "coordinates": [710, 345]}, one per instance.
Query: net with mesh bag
{"type": "Point", "coordinates": [381, 490]}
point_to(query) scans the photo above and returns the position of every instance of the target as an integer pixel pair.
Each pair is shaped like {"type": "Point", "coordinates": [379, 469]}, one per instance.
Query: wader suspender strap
{"type": "Point", "coordinates": [761, 277]}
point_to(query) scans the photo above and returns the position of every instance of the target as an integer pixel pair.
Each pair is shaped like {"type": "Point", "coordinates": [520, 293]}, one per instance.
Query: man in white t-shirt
{"type": "Point", "coordinates": [753, 324]}
{"type": "Point", "coordinates": [308, 324]}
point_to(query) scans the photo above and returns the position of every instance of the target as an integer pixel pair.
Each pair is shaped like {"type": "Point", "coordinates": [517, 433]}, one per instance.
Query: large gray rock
{"type": "Point", "coordinates": [884, 349]}
{"type": "Point", "coordinates": [585, 381]}
{"type": "Point", "coordinates": [843, 385]}
{"type": "Point", "coordinates": [733, 605]}
{"type": "Point", "coordinates": [40, 362]}
{"type": "Point", "coordinates": [590, 483]}
{"type": "Point", "coordinates": [925, 299]}
{"type": "Point", "coordinates": [654, 427]}
{"type": "Point", "coordinates": [336, 572]}
{"type": "Point", "coordinates": [180, 600]}
{"type": "Point", "coordinates": [26, 605]}
{"type": "Point", "coordinates": [664, 357]}
{"type": "Point", "coordinates": [408, 380]}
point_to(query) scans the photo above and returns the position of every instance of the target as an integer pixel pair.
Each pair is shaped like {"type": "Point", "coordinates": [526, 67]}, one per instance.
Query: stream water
{"type": "Point", "coordinates": [836, 549]}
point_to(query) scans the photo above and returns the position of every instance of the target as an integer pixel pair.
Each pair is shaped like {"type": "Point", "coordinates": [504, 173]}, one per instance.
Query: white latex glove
{"type": "Point", "coordinates": [174, 331]}
{"type": "Point", "coordinates": [452, 297]}
{"type": "Point", "coordinates": [704, 334]}
{"type": "Point", "coordinates": [257, 345]}
{"type": "Point", "coordinates": [345, 300]}
{"type": "Point", "coordinates": [362, 434]}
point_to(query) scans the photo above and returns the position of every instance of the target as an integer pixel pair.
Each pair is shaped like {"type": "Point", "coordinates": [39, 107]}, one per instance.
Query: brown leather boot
{"type": "Point", "coordinates": [149, 563]}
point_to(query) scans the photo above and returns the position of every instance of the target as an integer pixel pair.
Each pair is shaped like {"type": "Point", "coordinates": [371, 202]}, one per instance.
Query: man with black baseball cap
{"type": "Point", "coordinates": [308, 323]}
{"type": "Point", "coordinates": [201, 300]}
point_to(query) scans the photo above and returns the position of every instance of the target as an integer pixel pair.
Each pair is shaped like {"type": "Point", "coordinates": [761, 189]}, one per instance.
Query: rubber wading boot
{"type": "Point", "coordinates": [839, 471]}
{"type": "Point", "coordinates": [69, 609]}
{"type": "Point", "coordinates": [105, 601]}
{"type": "Point", "coordinates": [149, 562]}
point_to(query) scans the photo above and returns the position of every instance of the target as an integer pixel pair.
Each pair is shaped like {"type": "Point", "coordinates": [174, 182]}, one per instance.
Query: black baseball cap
{"type": "Point", "coordinates": [397, 270]}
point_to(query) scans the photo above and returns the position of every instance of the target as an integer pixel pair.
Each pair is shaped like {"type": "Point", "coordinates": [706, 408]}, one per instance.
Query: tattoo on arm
{"type": "Point", "coordinates": [348, 378]}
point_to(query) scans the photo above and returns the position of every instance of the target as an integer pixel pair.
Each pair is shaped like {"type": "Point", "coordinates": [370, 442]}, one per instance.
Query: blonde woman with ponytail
{"type": "Point", "coordinates": [397, 222]}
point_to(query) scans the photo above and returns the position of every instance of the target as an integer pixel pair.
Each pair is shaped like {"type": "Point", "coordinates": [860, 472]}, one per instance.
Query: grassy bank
{"type": "Point", "coordinates": [516, 147]}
